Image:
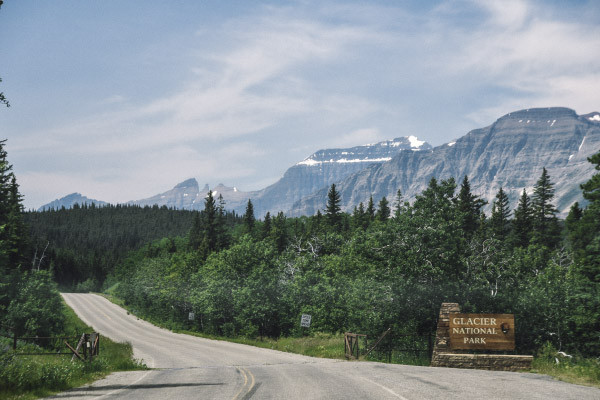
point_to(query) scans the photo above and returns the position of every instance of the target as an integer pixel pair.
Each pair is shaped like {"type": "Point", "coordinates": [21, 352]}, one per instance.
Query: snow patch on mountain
{"type": "Point", "coordinates": [415, 143]}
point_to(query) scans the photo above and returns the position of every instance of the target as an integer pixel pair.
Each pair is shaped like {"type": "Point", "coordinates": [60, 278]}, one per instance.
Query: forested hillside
{"type": "Point", "coordinates": [83, 244]}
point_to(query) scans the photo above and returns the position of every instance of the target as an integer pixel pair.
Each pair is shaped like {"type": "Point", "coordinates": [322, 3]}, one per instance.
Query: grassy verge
{"type": "Point", "coordinates": [30, 377]}
{"type": "Point", "coordinates": [572, 369]}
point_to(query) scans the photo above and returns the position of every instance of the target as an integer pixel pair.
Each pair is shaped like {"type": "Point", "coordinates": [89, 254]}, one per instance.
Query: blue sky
{"type": "Point", "coordinates": [123, 100]}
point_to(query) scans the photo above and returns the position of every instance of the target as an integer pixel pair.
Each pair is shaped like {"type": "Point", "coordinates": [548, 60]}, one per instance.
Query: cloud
{"type": "Point", "coordinates": [536, 58]}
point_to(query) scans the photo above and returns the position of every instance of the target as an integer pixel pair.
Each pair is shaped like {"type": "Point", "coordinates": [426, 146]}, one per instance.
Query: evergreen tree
{"type": "Point", "coordinates": [13, 233]}
{"type": "Point", "coordinates": [209, 223]}
{"type": "Point", "coordinates": [523, 222]}
{"type": "Point", "coordinates": [370, 210]}
{"type": "Point", "coordinates": [545, 224]}
{"type": "Point", "coordinates": [266, 228]}
{"type": "Point", "coordinates": [279, 232]}
{"type": "Point", "coordinates": [575, 214]}
{"type": "Point", "coordinates": [223, 238]}
{"type": "Point", "coordinates": [499, 221]}
{"type": "Point", "coordinates": [249, 218]}
{"type": "Point", "coordinates": [469, 208]}
{"type": "Point", "coordinates": [383, 213]}
{"type": "Point", "coordinates": [400, 206]}
{"type": "Point", "coordinates": [333, 211]}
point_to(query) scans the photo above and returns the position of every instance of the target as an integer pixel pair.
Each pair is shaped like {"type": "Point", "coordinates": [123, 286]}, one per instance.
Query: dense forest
{"type": "Point", "coordinates": [82, 245]}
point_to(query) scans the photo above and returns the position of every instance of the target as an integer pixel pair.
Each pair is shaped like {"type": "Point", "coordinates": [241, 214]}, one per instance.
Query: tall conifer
{"type": "Point", "coordinates": [266, 228]}
{"type": "Point", "coordinates": [209, 222]}
{"type": "Point", "coordinates": [523, 222]}
{"type": "Point", "coordinates": [370, 209]}
{"type": "Point", "coordinates": [249, 217]}
{"type": "Point", "coordinates": [469, 208]}
{"type": "Point", "coordinates": [499, 219]}
{"type": "Point", "coordinates": [383, 212]}
{"type": "Point", "coordinates": [333, 210]}
{"type": "Point", "coordinates": [545, 224]}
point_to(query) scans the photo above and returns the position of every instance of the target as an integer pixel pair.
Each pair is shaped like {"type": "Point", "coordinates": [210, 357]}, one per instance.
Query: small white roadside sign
{"type": "Point", "coordinates": [305, 321]}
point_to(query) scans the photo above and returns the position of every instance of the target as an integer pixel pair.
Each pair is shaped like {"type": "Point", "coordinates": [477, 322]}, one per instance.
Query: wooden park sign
{"type": "Point", "coordinates": [482, 331]}
{"type": "Point", "coordinates": [458, 333]}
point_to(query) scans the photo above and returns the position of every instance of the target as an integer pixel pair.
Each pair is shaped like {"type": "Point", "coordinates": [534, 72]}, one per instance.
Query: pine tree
{"type": "Point", "coordinates": [5, 179]}
{"type": "Point", "coordinates": [499, 221]}
{"type": "Point", "coordinates": [545, 224]}
{"type": "Point", "coordinates": [223, 238]}
{"type": "Point", "coordinates": [469, 208]}
{"type": "Point", "coordinates": [400, 206]}
{"type": "Point", "coordinates": [370, 212]}
{"type": "Point", "coordinates": [209, 222]}
{"type": "Point", "coordinates": [523, 222]}
{"type": "Point", "coordinates": [575, 214]}
{"type": "Point", "coordinates": [13, 233]}
{"type": "Point", "coordinates": [266, 228]}
{"type": "Point", "coordinates": [249, 218]}
{"type": "Point", "coordinates": [383, 212]}
{"type": "Point", "coordinates": [279, 232]}
{"type": "Point", "coordinates": [333, 211]}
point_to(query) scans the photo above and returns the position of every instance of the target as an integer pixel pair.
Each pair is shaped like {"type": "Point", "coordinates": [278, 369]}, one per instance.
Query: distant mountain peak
{"type": "Point", "coordinates": [189, 183]}
{"type": "Point", "coordinates": [69, 201]}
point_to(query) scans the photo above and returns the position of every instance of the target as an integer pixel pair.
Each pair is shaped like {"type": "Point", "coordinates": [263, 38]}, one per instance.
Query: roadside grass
{"type": "Point", "coordinates": [572, 369]}
{"type": "Point", "coordinates": [29, 377]}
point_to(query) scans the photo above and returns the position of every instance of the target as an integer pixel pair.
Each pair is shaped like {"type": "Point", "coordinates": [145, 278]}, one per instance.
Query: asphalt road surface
{"type": "Point", "coordinates": [186, 367]}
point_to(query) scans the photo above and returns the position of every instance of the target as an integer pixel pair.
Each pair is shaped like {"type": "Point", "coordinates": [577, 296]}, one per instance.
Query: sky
{"type": "Point", "coordinates": [121, 100]}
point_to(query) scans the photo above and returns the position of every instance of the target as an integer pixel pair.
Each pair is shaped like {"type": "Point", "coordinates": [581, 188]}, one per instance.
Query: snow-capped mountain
{"type": "Point", "coordinates": [510, 154]}
{"type": "Point", "coordinates": [325, 167]}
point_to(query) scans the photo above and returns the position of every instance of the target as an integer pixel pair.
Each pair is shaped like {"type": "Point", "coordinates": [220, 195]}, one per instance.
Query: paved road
{"type": "Point", "coordinates": [187, 367]}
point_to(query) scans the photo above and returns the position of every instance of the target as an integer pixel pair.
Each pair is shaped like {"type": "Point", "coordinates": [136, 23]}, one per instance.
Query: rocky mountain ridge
{"type": "Point", "coordinates": [510, 154]}
{"type": "Point", "coordinates": [320, 169]}
{"type": "Point", "coordinates": [69, 201]}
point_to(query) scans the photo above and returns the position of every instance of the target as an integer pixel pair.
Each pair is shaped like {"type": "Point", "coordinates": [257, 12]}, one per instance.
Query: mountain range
{"type": "Point", "coordinates": [510, 154]}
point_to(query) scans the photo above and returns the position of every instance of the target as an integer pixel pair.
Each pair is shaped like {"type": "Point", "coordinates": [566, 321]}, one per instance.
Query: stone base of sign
{"type": "Point", "coordinates": [444, 356]}
{"type": "Point", "coordinates": [442, 337]}
{"type": "Point", "coordinates": [495, 362]}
